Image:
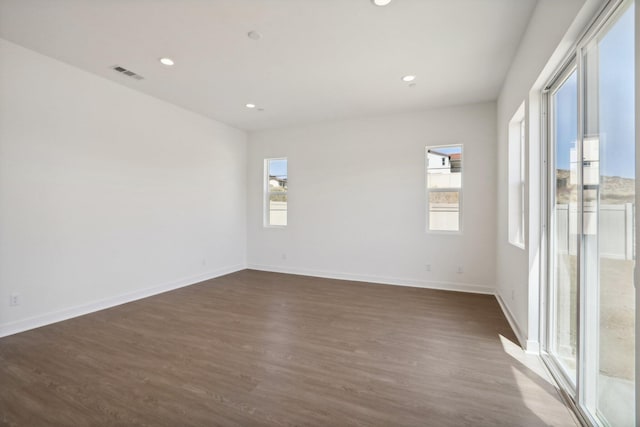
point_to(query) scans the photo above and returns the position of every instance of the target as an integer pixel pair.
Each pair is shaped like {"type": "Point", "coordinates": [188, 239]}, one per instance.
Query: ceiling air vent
{"type": "Point", "coordinates": [126, 72]}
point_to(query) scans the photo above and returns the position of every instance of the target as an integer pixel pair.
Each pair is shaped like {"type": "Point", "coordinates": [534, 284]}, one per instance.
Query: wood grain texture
{"type": "Point", "coordinates": [265, 349]}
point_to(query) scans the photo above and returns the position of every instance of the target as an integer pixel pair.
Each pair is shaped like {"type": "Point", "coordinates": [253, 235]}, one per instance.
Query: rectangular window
{"type": "Point", "coordinates": [516, 195]}
{"type": "Point", "coordinates": [444, 188]}
{"type": "Point", "coordinates": [275, 194]}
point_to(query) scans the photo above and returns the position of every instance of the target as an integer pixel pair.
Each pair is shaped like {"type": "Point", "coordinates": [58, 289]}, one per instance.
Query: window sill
{"type": "Point", "coordinates": [518, 245]}
{"type": "Point", "coordinates": [444, 233]}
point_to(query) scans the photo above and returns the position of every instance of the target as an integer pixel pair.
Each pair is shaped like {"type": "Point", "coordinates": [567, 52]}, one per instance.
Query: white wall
{"type": "Point", "coordinates": [357, 200]}
{"type": "Point", "coordinates": [554, 27]}
{"type": "Point", "coordinates": [107, 194]}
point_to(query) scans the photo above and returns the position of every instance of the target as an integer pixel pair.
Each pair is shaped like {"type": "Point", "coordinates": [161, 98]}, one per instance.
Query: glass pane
{"type": "Point", "coordinates": [277, 175]}
{"type": "Point", "coordinates": [444, 167]}
{"type": "Point", "coordinates": [444, 210]}
{"type": "Point", "coordinates": [277, 209]}
{"type": "Point", "coordinates": [277, 183]}
{"type": "Point", "coordinates": [563, 337]}
{"type": "Point", "coordinates": [609, 171]}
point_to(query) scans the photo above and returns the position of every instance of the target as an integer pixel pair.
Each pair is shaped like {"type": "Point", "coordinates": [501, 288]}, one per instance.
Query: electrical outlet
{"type": "Point", "coordinates": [460, 269]}
{"type": "Point", "coordinates": [427, 267]}
{"type": "Point", "coordinates": [14, 300]}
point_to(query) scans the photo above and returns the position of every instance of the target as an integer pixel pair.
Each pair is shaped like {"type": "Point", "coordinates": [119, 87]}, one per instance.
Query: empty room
{"type": "Point", "coordinates": [319, 212]}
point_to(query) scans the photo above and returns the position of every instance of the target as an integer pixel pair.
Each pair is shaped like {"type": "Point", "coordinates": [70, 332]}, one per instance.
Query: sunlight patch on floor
{"type": "Point", "coordinates": [530, 361]}
{"type": "Point", "coordinates": [532, 379]}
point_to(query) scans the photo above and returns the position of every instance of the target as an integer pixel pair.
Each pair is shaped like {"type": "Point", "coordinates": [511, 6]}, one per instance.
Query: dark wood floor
{"type": "Point", "coordinates": [255, 348]}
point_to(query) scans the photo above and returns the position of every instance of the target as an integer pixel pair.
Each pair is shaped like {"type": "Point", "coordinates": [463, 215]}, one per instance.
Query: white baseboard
{"type": "Point", "coordinates": [79, 310]}
{"type": "Point", "coordinates": [447, 286]}
{"type": "Point", "coordinates": [512, 322]}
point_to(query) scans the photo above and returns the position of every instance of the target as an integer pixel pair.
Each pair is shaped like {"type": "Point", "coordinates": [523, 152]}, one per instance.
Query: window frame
{"type": "Point", "coordinates": [516, 176]}
{"type": "Point", "coordinates": [266, 211]}
{"type": "Point", "coordinates": [428, 191]}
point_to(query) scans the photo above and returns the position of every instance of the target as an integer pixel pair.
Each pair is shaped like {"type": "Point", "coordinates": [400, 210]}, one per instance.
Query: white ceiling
{"type": "Point", "coordinates": [318, 59]}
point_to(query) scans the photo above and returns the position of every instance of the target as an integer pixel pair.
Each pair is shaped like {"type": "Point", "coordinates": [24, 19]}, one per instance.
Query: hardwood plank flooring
{"type": "Point", "coordinates": [265, 349]}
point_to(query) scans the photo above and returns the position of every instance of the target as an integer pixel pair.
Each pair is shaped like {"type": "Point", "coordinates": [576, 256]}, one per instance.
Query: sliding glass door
{"type": "Point", "coordinates": [608, 211]}
{"type": "Point", "coordinates": [591, 294]}
{"type": "Point", "coordinates": [564, 263]}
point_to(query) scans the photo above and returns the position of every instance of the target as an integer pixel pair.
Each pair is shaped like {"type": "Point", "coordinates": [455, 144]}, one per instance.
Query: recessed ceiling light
{"type": "Point", "coordinates": [167, 61]}
{"type": "Point", "coordinates": [408, 78]}
{"type": "Point", "coordinates": [250, 105]}
{"type": "Point", "coordinates": [254, 35]}
{"type": "Point", "coordinates": [381, 2]}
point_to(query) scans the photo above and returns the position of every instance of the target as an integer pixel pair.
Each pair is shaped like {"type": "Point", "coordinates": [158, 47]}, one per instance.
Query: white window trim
{"type": "Point", "coordinates": [267, 193]}
{"type": "Point", "coordinates": [516, 199]}
{"type": "Point", "coordinates": [459, 190]}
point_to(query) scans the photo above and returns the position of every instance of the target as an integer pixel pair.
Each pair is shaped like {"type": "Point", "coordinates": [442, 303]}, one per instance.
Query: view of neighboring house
{"type": "Point", "coordinates": [277, 182]}
{"type": "Point", "coordinates": [438, 162]}
{"type": "Point", "coordinates": [444, 167]}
